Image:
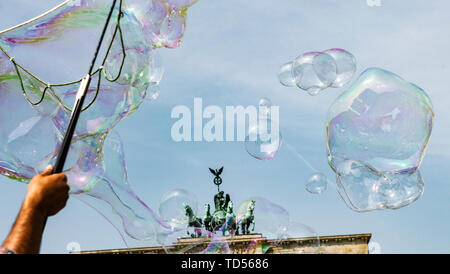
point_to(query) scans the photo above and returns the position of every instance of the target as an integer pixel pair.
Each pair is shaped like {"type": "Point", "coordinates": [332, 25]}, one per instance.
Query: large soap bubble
{"type": "Point", "coordinates": [37, 91]}
{"type": "Point", "coordinates": [316, 71]}
{"type": "Point", "coordinates": [377, 134]}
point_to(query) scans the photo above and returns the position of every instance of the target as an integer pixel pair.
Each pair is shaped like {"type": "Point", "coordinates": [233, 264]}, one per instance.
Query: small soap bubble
{"type": "Point", "coordinates": [263, 140]}
{"type": "Point", "coordinates": [317, 183]}
{"type": "Point", "coordinates": [73, 248]}
{"type": "Point", "coordinates": [346, 66]}
{"type": "Point", "coordinates": [153, 92]}
{"type": "Point", "coordinates": [265, 102]}
{"type": "Point", "coordinates": [264, 106]}
{"type": "Point", "coordinates": [285, 75]}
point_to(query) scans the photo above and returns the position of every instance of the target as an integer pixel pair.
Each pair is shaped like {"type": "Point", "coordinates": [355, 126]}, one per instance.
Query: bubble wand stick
{"type": "Point", "coordinates": [78, 106]}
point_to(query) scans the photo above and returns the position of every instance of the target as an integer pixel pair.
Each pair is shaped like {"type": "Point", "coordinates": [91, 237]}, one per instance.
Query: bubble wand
{"type": "Point", "coordinates": [79, 100]}
{"type": "Point", "coordinates": [78, 106]}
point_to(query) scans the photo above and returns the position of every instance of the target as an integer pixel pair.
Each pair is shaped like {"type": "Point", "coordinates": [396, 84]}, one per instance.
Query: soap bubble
{"type": "Point", "coordinates": [153, 92]}
{"type": "Point", "coordinates": [265, 102]}
{"type": "Point", "coordinates": [111, 194]}
{"type": "Point", "coordinates": [316, 183]}
{"type": "Point", "coordinates": [128, 69]}
{"type": "Point", "coordinates": [345, 65]}
{"type": "Point", "coordinates": [264, 106]}
{"type": "Point", "coordinates": [285, 75]}
{"type": "Point", "coordinates": [180, 4]}
{"type": "Point", "coordinates": [180, 241]}
{"type": "Point", "coordinates": [377, 134]}
{"type": "Point", "coordinates": [263, 140]}
{"type": "Point", "coordinates": [173, 207]}
{"type": "Point", "coordinates": [156, 68]}
{"type": "Point", "coordinates": [270, 219]}
{"type": "Point", "coordinates": [169, 32]}
{"type": "Point", "coordinates": [272, 229]}
{"type": "Point", "coordinates": [316, 71]}
{"type": "Point", "coordinates": [216, 244]}
{"type": "Point", "coordinates": [298, 231]}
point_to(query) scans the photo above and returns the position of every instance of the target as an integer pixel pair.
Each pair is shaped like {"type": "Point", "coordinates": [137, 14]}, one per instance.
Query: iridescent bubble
{"type": "Point", "coordinates": [176, 206]}
{"type": "Point", "coordinates": [380, 106]}
{"type": "Point", "coordinates": [263, 140]}
{"type": "Point", "coordinates": [30, 136]}
{"type": "Point", "coordinates": [377, 134]}
{"type": "Point", "coordinates": [255, 216]}
{"type": "Point", "coordinates": [317, 183]}
{"type": "Point", "coordinates": [345, 65]}
{"type": "Point", "coordinates": [285, 75]}
{"type": "Point", "coordinates": [180, 4]}
{"type": "Point", "coordinates": [169, 32]}
{"type": "Point", "coordinates": [111, 194]}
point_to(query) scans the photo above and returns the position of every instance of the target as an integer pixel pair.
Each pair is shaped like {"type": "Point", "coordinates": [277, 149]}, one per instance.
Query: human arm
{"type": "Point", "coordinates": [47, 194]}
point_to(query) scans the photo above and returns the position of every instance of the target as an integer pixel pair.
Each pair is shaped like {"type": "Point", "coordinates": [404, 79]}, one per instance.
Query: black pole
{"type": "Point", "coordinates": [78, 106]}
{"type": "Point", "coordinates": [81, 95]}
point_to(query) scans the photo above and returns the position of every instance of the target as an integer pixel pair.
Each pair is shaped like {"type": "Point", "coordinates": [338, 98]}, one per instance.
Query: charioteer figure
{"type": "Point", "coordinates": [223, 219]}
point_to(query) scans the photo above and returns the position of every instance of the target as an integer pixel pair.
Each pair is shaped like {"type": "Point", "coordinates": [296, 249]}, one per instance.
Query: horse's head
{"type": "Point", "coordinates": [251, 206]}
{"type": "Point", "coordinates": [230, 207]}
{"type": "Point", "coordinates": [188, 210]}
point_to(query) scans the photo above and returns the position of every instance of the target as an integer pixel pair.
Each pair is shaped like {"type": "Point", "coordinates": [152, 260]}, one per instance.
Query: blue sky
{"type": "Point", "coordinates": [230, 56]}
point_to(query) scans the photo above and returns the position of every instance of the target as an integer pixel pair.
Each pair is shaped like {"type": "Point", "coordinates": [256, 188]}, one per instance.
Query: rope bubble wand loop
{"type": "Point", "coordinates": [78, 106]}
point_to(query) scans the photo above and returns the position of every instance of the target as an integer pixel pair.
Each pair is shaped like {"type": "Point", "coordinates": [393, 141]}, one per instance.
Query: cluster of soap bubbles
{"type": "Point", "coordinates": [263, 139]}
{"type": "Point", "coordinates": [377, 134]}
{"type": "Point", "coordinates": [316, 71]}
{"type": "Point", "coordinates": [270, 220]}
{"type": "Point", "coordinates": [36, 110]}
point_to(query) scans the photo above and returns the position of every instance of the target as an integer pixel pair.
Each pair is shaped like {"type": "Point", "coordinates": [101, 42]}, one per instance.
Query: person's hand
{"type": "Point", "coordinates": [48, 193]}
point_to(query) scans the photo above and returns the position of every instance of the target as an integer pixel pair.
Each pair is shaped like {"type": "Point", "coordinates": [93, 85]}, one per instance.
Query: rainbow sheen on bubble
{"type": "Point", "coordinates": [377, 134]}
{"type": "Point", "coordinates": [42, 89]}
